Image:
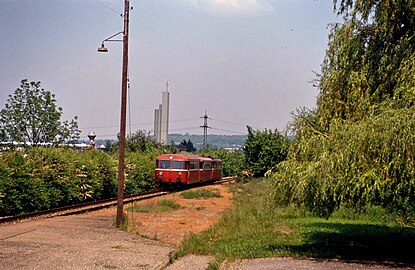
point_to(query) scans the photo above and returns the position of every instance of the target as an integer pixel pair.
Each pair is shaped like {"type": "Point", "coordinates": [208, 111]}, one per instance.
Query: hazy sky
{"type": "Point", "coordinates": [247, 62]}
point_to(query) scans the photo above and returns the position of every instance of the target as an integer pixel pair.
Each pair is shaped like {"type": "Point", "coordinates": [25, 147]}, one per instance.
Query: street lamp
{"type": "Point", "coordinates": [121, 149]}
{"type": "Point", "coordinates": [103, 48]}
{"type": "Point", "coordinates": [91, 136]}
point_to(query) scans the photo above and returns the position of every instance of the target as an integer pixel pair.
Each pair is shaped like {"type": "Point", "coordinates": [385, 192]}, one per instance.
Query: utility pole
{"type": "Point", "coordinates": [205, 128]}
{"type": "Point", "coordinates": [121, 150]}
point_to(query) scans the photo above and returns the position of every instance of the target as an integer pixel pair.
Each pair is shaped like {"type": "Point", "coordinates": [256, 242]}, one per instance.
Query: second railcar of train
{"type": "Point", "coordinates": [177, 169]}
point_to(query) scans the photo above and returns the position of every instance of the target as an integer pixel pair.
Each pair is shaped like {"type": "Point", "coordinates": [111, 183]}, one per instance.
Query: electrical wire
{"type": "Point", "coordinates": [227, 122]}
{"type": "Point", "coordinates": [107, 7]}
{"type": "Point", "coordinates": [236, 132]}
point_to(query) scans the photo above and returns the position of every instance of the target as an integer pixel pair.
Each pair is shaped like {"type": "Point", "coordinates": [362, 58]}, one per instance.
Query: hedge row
{"type": "Point", "coordinates": [43, 178]}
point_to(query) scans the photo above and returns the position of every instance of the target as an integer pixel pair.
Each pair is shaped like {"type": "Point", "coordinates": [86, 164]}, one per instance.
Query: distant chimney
{"type": "Point", "coordinates": [161, 118]}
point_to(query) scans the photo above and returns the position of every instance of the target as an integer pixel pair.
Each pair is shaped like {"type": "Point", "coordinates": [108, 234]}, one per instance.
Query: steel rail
{"type": "Point", "coordinates": [82, 207]}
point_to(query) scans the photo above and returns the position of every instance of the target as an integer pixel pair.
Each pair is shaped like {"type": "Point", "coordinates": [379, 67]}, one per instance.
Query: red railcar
{"type": "Point", "coordinates": [181, 169]}
{"type": "Point", "coordinates": [217, 169]}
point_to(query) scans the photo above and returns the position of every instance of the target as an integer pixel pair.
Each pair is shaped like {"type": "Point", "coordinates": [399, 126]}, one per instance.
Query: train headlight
{"type": "Point", "coordinates": [160, 173]}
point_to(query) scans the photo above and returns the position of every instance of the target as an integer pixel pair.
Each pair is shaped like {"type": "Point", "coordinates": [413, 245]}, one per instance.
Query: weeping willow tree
{"type": "Point", "coordinates": [358, 147]}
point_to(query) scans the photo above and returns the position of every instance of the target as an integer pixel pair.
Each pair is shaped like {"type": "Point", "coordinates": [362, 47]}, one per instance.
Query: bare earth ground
{"type": "Point", "coordinates": [171, 227]}
{"type": "Point", "coordinates": [89, 241]}
{"type": "Point", "coordinates": [196, 215]}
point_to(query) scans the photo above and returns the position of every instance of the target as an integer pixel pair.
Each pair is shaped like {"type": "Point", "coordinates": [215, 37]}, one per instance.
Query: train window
{"type": "Point", "coordinates": [177, 164]}
{"type": "Point", "coordinates": [207, 166]}
{"type": "Point", "coordinates": [194, 165]}
{"type": "Point", "coordinates": [163, 164]}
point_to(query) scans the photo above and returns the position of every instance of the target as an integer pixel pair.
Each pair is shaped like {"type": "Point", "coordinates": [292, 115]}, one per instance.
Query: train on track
{"type": "Point", "coordinates": [178, 170]}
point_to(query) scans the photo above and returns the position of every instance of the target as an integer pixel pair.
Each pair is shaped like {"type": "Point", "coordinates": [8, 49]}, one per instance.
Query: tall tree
{"type": "Point", "coordinates": [188, 145]}
{"type": "Point", "coordinates": [357, 149]}
{"type": "Point", "coordinates": [31, 115]}
{"type": "Point", "coordinates": [370, 59]}
{"type": "Point", "coordinates": [264, 149]}
{"type": "Point", "coordinates": [140, 141]}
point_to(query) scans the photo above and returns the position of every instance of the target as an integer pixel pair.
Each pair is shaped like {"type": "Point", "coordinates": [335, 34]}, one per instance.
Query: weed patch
{"type": "Point", "coordinates": [160, 206]}
{"type": "Point", "coordinates": [200, 194]}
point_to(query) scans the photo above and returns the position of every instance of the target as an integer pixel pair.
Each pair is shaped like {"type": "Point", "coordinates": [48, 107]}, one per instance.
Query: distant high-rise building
{"type": "Point", "coordinates": [164, 117]}
{"type": "Point", "coordinates": [161, 118]}
{"type": "Point", "coordinates": [157, 124]}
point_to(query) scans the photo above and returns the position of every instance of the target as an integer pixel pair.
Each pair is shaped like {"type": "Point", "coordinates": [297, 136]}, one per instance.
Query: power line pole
{"type": "Point", "coordinates": [121, 150]}
{"type": "Point", "coordinates": [205, 128]}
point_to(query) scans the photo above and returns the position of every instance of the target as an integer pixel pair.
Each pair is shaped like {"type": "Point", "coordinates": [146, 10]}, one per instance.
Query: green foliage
{"type": "Point", "coordinates": [264, 150]}
{"type": "Point", "coordinates": [232, 162]}
{"type": "Point", "coordinates": [31, 115]}
{"type": "Point", "coordinates": [370, 59]}
{"type": "Point", "coordinates": [356, 149]}
{"type": "Point", "coordinates": [200, 194]}
{"type": "Point", "coordinates": [188, 145]}
{"type": "Point", "coordinates": [140, 141]}
{"type": "Point", "coordinates": [43, 178]}
{"type": "Point", "coordinates": [139, 171]}
{"type": "Point", "coordinates": [356, 164]}
{"type": "Point", "coordinates": [40, 178]}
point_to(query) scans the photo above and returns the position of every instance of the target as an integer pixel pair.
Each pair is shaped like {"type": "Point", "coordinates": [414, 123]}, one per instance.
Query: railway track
{"type": "Point", "coordinates": [82, 207]}
{"type": "Point", "coordinates": [88, 206]}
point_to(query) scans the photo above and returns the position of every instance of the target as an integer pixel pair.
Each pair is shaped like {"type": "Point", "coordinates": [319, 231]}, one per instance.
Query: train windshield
{"type": "Point", "coordinates": [163, 164]}
{"type": "Point", "coordinates": [177, 164]}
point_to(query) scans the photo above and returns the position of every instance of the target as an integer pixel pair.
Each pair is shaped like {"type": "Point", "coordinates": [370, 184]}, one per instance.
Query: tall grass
{"type": "Point", "coordinates": [256, 228]}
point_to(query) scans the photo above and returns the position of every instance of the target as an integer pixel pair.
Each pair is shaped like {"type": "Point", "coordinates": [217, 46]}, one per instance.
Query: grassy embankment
{"type": "Point", "coordinates": [256, 228]}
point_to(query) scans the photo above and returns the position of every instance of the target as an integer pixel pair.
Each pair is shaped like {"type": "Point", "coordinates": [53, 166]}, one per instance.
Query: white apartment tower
{"type": "Point", "coordinates": [161, 118]}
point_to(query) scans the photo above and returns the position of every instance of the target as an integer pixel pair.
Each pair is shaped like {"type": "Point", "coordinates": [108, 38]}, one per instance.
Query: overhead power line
{"type": "Point", "coordinates": [236, 132]}
{"type": "Point", "coordinates": [108, 7]}
{"type": "Point", "coordinates": [228, 122]}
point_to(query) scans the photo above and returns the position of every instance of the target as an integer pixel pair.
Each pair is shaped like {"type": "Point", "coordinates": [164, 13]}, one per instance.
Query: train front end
{"type": "Point", "coordinates": [171, 169]}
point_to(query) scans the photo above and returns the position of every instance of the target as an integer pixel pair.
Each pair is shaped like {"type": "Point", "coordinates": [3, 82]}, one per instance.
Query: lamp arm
{"type": "Point", "coordinates": [109, 38]}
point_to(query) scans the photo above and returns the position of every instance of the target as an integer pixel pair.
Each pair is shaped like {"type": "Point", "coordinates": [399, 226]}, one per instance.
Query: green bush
{"type": "Point", "coordinates": [140, 169]}
{"type": "Point", "coordinates": [42, 178]}
{"type": "Point", "coordinates": [264, 150]}
{"type": "Point", "coordinates": [232, 162]}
